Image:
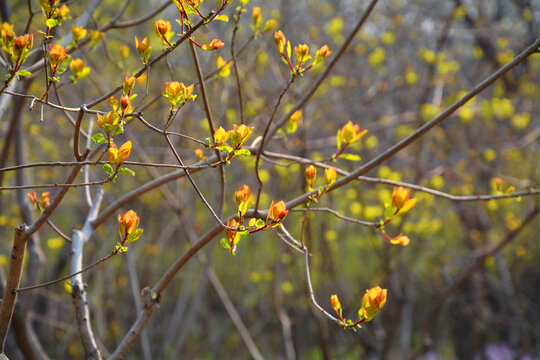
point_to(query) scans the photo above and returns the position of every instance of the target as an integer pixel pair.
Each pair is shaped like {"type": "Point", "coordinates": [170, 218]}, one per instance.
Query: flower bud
{"type": "Point", "coordinates": [124, 51]}
{"type": "Point", "coordinates": [142, 45]}
{"type": "Point", "coordinates": [351, 133]}
{"type": "Point", "coordinates": [401, 240]}
{"type": "Point", "coordinates": [128, 223]}
{"type": "Point", "coordinates": [233, 237]}
{"type": "Point", "coordinates": [199, 153]}
{"type": "Point", "coordinates": [62, 12]}
{"type": "Point", "coordinates": [269, 25]}
{"type": "Point", "coordinates": [322, 54]}
{"type": "Point", "coordinates": [401, 201]}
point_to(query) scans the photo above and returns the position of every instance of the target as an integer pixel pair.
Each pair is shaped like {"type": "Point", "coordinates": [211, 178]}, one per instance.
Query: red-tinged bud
{"type": "Point", "coordinates": [243, 194]}
{"type": "Point", "coordinates": [330, 176]}
{"type": "Point", "coordinates": [78, 32]}
{"type": "Point", "coordinates": [277, 212]}
{"type": "Point", "coordinates": [372, 303]}
{"type": "Point", "coordinates": [280, 40]}
{"type": "Point", "coordinates": [239, 135]}
{"type": "Point", "coordinates": [335, 303]}
{"type": "Point", "coordinates": [311, 173]}
{"type": "Point", "coordinates": [162, 27]}
{"type": "Point", "coordinates": [20, 47]}
{"type": "Point", "coordinates": [178, 93]}
{"type": "Point", "coordinates": [213, 45]}
{"type": "Point", "coordinates": [233, 237]}
{"type": "Point", "coordinates": [108, 121]}
{"type": "Point", "coordinates": [128, 223]}
{"type": "Point", "coordinates": [129, 83]}
{"type": "Point", "coordinates": [124, 103]}
{"type": "Point", "coordinates": [142, 45]}
{"type": "Point", "coordinates": [296, 116]}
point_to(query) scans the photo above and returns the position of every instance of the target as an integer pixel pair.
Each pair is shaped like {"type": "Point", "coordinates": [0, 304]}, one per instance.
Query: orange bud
{"type": "Point", "coordinates": [280, 40]}
{"type": "Point", "coordinates": [33, 197]}
{"type": "Point", "coordinates": [256, 16]}
{"type": "Point", "coordinates": [199, 153]}
{"type": "Point", "coordinates": [301, 52]}
{"type": "Point", "coordinates": [233, 237]}
{"type": "Point", "coordinates": [142, 45]}
{"type": "Point", "coordinates": [322, 54]}
{"type": "Point", "coordinates": [400, 196]}
{"type": "Point", "coordinates": [162, 28]}
{"type": "Point", "coordinates": [372, 303]}
{"type": "Point", "coordinates": [129, 82]}
{"type": "Point", "coordinates": [311, 173]}
{"type": "Point", "coordinates": [127, 224]}
{"type": "Point", "coordinates": [213, 45]}
{"type": "Point", "coordinates": [401, 240]}
{"type": "Point", "coordinates": [335, 302]}
{"type": "Point", "coordinates": [269, 25]}
{"type": "Point", "coordinates": [45, 200]}
{"type": "Point", "coordinates": [57, 53]}
{"type": "Point", "coordinates": [243, 194]}
{"type": "Point", "coordinates": [220, 136]}
{"type": "Point", "coordinates": [124, 103]}
{"type": "Point", "coordinates": [96, 36]}
{"type": "Point", "coordinates": [277, 212]}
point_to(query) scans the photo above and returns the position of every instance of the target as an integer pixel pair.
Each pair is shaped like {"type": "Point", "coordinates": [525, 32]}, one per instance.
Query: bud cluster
{"type": "Point", "coordinates": [301, 53]}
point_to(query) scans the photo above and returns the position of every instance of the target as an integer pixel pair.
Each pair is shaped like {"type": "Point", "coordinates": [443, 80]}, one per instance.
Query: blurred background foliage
{"type": "Point", "coordinates": [410, 61]}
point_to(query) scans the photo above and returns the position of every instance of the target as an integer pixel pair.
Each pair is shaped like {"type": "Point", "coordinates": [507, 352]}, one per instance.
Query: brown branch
{"type": "Point", "coordinates": [12, 282]}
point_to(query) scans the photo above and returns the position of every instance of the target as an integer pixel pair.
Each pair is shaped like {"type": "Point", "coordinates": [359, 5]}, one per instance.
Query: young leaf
{"type": "Point", "coordinates": [225, 244]}
{"type": "Point", "coordinates": [99, 138]}
{"type": "Point", "coordinates": [24, 72]}
{"type": "Point", "coordinates": [350, 157]}
{"type": "Point", "coordinates": [126, 171]}
{"type": "Point", "coordinates": [259, 224]}
{"type": "Point", "coordinates": [51, 23]}
{"type": "Point", "coordinates": [134, 235]}
{"type": "Point", "coordinates": [242, 152]}
{"type": "Point", "coordinates": [108, 169]}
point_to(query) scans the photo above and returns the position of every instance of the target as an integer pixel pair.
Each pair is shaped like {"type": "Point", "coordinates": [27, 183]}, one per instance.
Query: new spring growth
{"type": "Point", "coordinates": [108, 122]}
{"type": "Point", "coordinates": [276, 213]}
{"type": "Point", "coordinates": [220, 136]}
{"type": "Point", "coordinates": [232, 238]}
{"type": "Point", "coordinates": [336, 305]}
{"type": "Point", "coordinates": [57, 55]}
{"type": "Point", "coordinates": [302, 55]}
{"type": "Point", "coordinates": [280, 40]}
{"type": "Point", "coordinates": [372, 303]}
{"type": "Point", "coordinates": [163, 30]}
{"type": "Point", "coordinates": [96, 36]}
{"type": "Point", "coordinates": [239, 135]}
{"type": "Point", "coordinates": [256, 16]}
{"type": "Point", "coordinates": [213, 45]}
{"type": "Point", "coordinates": [143, 48]}
{"type": "Point", "coordinates": [7, 36]}
{"type": "Point", "coordinates": [78, 69]}
{"type": "Point", "coordinates": [128, 229]}
{"type": "Point", "coordinates": [243, 200]}
{"type": "Point", "coordinates": [292, 123]}
{"type": "Point", "coordinates": [118, 156]}
{"type": "Point", "coordinates": [129, 83]}
{"type": "Point", "coordinates": [311, 174]}
{"type": "Point", "coordinates": [178, 93]}
{"type": "Point", "coordinates": [78, 32]}
{"type": "Point", "coordinates": [42, 203]}
{"type": "Point", "coordinates": [321, 54]}
{"type": "Point", "coordinates": [19, 49]}
{"type": "Point", "coordinates": [330, 176]}
{"type": "Point", "coordinates": [401, 203]}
